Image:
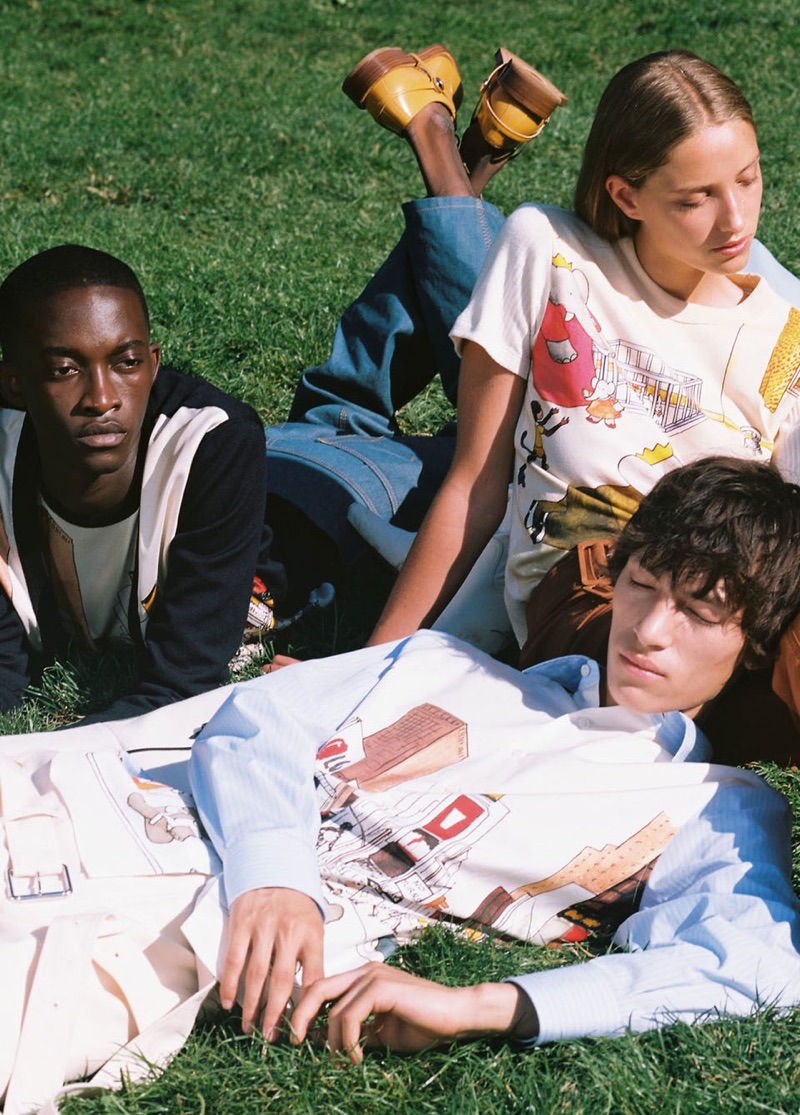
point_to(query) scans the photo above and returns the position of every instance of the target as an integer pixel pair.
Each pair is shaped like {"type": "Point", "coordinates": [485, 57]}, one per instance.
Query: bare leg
{"type": "Point", "coordinates": [447, 170]}
{"type": "Point", "coordinates": [431, 134]}
{"type": "Point", "coordinates": [481, 161]}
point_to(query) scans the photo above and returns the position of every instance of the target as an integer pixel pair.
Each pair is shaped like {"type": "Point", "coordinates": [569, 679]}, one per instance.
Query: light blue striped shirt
{"type": "Point", "coordinates": [718, 928]}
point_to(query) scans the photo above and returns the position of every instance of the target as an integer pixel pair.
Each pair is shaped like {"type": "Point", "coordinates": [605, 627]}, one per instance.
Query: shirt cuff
{"type": "Point", "coordinates": [272, 859]}
{"type": "Point", "coordinates": [577, 1001]}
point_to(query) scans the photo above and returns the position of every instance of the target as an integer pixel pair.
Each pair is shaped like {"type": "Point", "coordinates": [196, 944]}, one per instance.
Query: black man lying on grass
{"type": "Point", "coordinates": [131, 497]}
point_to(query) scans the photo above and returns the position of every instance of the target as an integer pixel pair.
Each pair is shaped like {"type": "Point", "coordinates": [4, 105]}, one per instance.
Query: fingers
{"type": "Point", "coordinates": [385, 1006]}
{"type": "Point", "coordinates": [313, 997]}
{"type": "Point", "coordinates": [258, 968]}
{"type": "Point", "coordinates": [362, 1014]}
{"type": "Point", "coordinates": [271, 930]}
{"type": "Point", "coordinates": [370, 1013]}
{"type": "Point", "coordinates": [313, 969]}
{"type": "Point", "coordinates": [233, 965]}
{"type": "Point", "coordinates": [282, 978]}
{"type": "Point", "coordinates": [347, 1022]}
{"type": "Point", "coordinates": [281, 984]}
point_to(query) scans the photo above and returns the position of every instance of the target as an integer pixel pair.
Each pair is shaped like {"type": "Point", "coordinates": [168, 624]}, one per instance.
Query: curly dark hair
{"type": "Point", "coordinates": [721, 519]}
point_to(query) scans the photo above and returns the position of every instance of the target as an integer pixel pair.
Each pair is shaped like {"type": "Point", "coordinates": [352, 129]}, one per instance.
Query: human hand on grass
{"type": "Point", "coordinates": [376, 1005]}
{"type": "Point", "coordinates": [270, 931]}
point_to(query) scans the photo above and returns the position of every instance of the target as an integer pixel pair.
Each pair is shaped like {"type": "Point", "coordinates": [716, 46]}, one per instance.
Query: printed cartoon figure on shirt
{"type": "Point", "coordinates": [166, 815]}
{"type": "Point", "coordinates": [591, 894]}
{"type": "Point", "coordinates": [782, 374]}
{"type": "Point", "coordinates": [603, 405]}
{"type": "Point", "coordinates": [405, 844]}
{"type": "Point", "coordinates": [752, 440]}
{"type": "Point", "coordinates": [574, 365]}
{"type": "Point", "coordinates": [535, 454]}
{"type": "Point", "coordinates": [600, 512]}
{"type": "Point", "coordinates": [582, 514]}
{"type": "Point", "coordinates": [563, 360]}
{"type": "Point", "coordinates": [634, 379]}
{"type": "Point", "coordinates": [535, 521]}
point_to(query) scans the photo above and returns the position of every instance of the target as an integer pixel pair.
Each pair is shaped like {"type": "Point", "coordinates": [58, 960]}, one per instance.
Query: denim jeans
{"type": "Point", "coordinates": [342, 442]}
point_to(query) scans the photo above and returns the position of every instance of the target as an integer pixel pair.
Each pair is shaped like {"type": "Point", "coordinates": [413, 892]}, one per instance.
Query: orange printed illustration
{"type": "Point", "coordinates": [422, 741]}
{"type": "Point", "coordinates": [602, 403]}
{"type": "Point", "coordinates": [598, 871]}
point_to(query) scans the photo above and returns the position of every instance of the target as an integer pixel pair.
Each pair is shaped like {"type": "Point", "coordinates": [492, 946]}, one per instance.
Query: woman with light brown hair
{"type": "Point", "coordinates": [628, 334]}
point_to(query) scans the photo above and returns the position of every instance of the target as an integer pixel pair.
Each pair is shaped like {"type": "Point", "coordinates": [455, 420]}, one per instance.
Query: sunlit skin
{"type": "Point", "coordinates": [83, 367]}
{"type": "Point", "coordinates": [696, 217]}
{"type": "Point", "coordinates": [668, 647]}
{"type": "Point", "coordinates": [698, 213]}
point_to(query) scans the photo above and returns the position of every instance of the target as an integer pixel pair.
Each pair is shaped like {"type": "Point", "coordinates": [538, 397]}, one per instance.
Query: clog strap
{"type": "Point", "coordinates": [502, 125]}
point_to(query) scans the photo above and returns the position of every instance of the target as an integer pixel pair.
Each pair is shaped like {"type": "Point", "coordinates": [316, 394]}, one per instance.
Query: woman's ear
{"type": "Point", "coordinates": [10, 388]}
{"type": "Point", "coordinates": [624, 195]}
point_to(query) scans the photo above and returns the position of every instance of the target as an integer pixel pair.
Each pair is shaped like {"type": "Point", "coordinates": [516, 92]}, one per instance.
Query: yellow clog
{"type": "Point", "coordinates": [393, 85]}
{"type": "Point", "coordinates": [515, 102]}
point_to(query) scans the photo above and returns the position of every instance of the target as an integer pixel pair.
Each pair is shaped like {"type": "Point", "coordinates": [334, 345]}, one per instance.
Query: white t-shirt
{"type": "Point", "coordinates": [92, 570]}
{"type": "Point", "coordinates": [624, 381]}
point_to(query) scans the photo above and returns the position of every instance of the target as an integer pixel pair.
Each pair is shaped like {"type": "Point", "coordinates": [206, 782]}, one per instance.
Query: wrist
{"type": "Point", "coordinates": [526, 1020]}
{"type": "Point", "coordinates": [499, 1009]}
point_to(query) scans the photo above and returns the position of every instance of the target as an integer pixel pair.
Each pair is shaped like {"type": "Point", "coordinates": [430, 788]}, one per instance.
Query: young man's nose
{"type": "Point", "coordinates": [99, 393]}
{"type": "Point", "coordinates": [653, 627]}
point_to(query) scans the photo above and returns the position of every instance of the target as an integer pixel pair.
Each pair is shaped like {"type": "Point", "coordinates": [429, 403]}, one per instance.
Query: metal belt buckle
{"type": "Point", "coordinates": [62, 891]}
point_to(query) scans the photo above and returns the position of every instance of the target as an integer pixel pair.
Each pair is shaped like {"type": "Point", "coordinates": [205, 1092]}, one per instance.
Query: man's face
{"type": "Point", "coordinates": [83, 368]}
{"type": "Point", "coordinates": [668, 649]}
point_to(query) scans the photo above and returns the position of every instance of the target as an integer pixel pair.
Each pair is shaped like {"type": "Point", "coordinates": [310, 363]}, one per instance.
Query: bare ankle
{"type": "Point", "coordinates": [432, 137]}
{"type": "Point", "coordinates": [481, 160]}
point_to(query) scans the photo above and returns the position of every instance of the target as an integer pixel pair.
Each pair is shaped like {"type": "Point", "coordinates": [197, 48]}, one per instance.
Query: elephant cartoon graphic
{"type": "Point", "coordinates": [563, 361]}
{"type": "Point", "coordinates": [602, 402]}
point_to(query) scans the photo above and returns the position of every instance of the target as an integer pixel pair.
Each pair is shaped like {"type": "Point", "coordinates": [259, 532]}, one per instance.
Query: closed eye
{"type": "Point", "coordinates": [705, 620]}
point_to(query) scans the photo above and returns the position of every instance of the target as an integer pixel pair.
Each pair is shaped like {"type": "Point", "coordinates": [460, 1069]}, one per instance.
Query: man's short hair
{"type": "Point", "coordinates": [54, 270]}
{"type": "Point", "coordinates": [721, 519]}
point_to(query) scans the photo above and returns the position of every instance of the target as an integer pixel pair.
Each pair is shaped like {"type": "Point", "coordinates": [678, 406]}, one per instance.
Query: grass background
{"type": "Point", "coordinates": [206, 142]}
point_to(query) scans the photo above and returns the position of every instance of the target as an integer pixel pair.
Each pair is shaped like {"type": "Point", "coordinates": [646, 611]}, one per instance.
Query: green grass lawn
{"type": "Point", "coordinates": [207, 143]}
